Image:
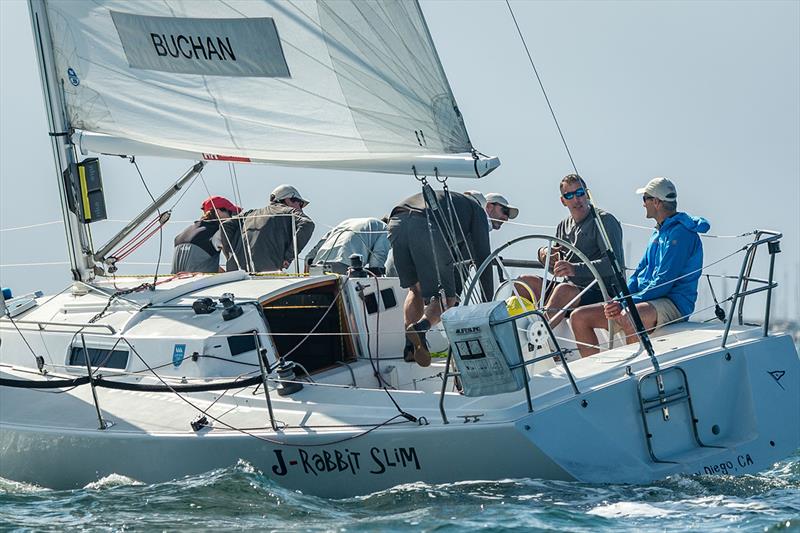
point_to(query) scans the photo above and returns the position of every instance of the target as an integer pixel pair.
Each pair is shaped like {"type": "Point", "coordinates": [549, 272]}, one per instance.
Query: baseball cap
{"type": "Point", "coordinates": [477, 196]}
{"type": "Point", "coordinates": [283, 192]}
{"type": "Point", "coordinates": [220, 202]}
{"type": "Point", "coordinates": [660, 188]}
{"type": "Point", "coordinates": [497, 198]}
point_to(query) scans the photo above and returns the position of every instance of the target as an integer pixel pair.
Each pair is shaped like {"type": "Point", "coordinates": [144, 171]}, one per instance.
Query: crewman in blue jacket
{"type": "Point", "coordinates": [664, 285]}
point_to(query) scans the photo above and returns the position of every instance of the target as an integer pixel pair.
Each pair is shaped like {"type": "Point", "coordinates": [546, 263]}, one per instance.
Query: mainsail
{"type": "Point", "coordinates": [350, 84]}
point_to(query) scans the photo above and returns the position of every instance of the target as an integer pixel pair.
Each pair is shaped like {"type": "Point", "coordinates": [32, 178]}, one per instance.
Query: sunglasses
{"type": "Point", "coordinates": [576, 193]}
{"type": "Point", "coordinates": [645, 198]}
{"type": "Point", "coordinates": [505, 210]}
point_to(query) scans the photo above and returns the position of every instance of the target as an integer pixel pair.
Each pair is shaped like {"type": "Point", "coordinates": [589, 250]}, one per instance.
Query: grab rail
{"type": "Point", "coordinates": [43, 323]}
{"type": "Point", "coordinates": [522, 365]}
{"type": "Point", "coordinates": [773, 246]}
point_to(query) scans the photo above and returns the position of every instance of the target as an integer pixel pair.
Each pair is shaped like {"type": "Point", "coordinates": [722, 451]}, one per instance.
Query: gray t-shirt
{"type": "Point", "coordinates": [586, 238]}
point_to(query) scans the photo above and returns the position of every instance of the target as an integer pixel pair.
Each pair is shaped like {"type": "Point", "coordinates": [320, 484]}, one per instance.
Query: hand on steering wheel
{"type": "Point", "coordinates": [563, 269]}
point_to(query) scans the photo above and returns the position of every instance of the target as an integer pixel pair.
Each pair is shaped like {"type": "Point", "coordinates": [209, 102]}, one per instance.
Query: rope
{"type": "Point", "coordinates": [237, 195]}
{"type": "Point", "coordinates": [116, 295]}
{"type": "Point", "coordinates": [31, 226]}
{"type": "Point", "coordinates": [322, 224]}
{"type": "Point", "coordinates": [250, 434]}
{"type": "Point", "coordinates": [39, 359]}
{"type": "Point", "coordinates": [223, 233]}
{"type": "Point", "coordinates": [669, 282]}
{"type": "Point", "coordinates": [541, 85]}
{"type": "Point", "coordinates": [706, 235]}
{"type": "Point", "coordinates": [140, 238]}
{"type": "Point", "coordinates": [160, 227]}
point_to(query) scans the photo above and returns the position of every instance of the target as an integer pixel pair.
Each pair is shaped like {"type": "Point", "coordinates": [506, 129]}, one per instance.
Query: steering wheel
{"type": "Point", "coordinates": [494, 257]}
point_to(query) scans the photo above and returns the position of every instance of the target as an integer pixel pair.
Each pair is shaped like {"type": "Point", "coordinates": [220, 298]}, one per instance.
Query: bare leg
{"type": "Point", "coordinates": [583, 321]}
{"type": "Point", "coordinates": [433, 311]}
{"type": "Point", "coordinates": [561, 296]}
{"type": "Point", "coordinates": [534, 282]}
{"type": "Point", "coordinates": [414, 306]}
{"type": "Point", "coordinates": [419, 318]}
{"type": "Point", "coordinates": [649, 317]}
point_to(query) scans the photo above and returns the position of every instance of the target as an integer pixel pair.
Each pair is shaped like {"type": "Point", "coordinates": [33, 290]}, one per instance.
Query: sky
{"type": "Point", "coordinates": [704, 92]}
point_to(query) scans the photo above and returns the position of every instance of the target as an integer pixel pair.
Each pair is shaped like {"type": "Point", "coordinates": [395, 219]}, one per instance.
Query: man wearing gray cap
{"type": "Point", "coordinates": [664, 285]}
{"type": "Point", "coordinates": [261, 240]}
{"type": "Point", "coordinates": [427, 243]}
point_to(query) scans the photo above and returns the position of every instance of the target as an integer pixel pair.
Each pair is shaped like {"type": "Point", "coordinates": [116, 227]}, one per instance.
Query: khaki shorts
{"type": "Point", "coordinates": [666, 312]}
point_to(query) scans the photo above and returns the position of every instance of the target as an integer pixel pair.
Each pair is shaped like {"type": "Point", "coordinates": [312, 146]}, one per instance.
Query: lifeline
{"type": "Point", "coordinates": [189, 47]}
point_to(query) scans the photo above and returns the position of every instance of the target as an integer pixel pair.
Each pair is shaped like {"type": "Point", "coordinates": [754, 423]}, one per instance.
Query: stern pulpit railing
{"type": "Point", "coordinates": [762, 237]}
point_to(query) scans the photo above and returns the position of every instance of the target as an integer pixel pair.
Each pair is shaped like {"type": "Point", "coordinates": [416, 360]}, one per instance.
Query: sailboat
{"type": "Point", "coordinates": [303, 376]}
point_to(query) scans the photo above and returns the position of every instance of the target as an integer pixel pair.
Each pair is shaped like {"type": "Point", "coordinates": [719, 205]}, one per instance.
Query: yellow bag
{"type": "Point", "coordinates": [517, 305]}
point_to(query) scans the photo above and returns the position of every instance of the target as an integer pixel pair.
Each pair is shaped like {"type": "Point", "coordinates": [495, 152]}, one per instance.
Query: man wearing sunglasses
{"type": "Point", "coordinates": [664, 285]}
{"type": "Point", "coordinates": [579, 229]}
{"type": "Point", "coordinates": [261, 240]}
{"type": "Point", "coordinates": [498, 210]}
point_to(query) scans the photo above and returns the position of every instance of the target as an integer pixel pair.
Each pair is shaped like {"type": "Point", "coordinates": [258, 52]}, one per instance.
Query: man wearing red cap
{"type": "Point", "coordinates": [197, 247]}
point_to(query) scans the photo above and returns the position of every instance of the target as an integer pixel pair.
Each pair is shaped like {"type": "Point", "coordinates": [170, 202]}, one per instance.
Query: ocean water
{"type": "Point", "coordinates": [240, 497]}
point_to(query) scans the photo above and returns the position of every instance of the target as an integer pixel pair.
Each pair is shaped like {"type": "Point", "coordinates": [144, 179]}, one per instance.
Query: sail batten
{"type": "Point", "coordinates": [280, 82]}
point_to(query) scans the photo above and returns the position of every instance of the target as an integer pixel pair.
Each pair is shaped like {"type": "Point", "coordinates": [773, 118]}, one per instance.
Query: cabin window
{"type": "Point", "coordinates": [99, 358]}
{"type": "Point", "coordinates": [242, 343]}
{"type": "Point", "coordinates": [292, 317]}
{"type": "Point", "coordinates": [371, 301]}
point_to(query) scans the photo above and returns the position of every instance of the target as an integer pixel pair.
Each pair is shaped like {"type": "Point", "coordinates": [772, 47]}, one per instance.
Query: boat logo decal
{"type": "Point", "coordinates": [777, 375]}
{"type": "Point", "coordinates": [178, 354]}
{"type": "Point", "coordinates": [232, 158]}
{"type": "Point", "coordinates": [73, 77]}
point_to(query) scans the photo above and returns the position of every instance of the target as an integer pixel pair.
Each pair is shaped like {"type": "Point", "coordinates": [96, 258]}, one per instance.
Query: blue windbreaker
{"type": "Point", "coordinates": [674, 250]}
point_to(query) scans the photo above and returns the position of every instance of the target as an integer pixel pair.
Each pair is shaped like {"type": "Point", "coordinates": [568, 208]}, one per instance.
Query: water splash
{"type": "Point", "coordinates": [243, 497]}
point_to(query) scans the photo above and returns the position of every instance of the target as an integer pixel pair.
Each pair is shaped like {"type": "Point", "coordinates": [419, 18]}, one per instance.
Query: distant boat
{"type": "Point", "coordinates": [303, 376]}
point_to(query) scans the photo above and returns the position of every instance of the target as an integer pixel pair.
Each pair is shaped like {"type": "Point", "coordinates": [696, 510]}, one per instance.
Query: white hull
{"type": "Point", "coordinates": [749, 417]}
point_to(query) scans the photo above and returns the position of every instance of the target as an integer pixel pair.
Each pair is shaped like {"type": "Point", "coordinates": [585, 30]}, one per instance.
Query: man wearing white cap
{"type": "Point", "coordinates": [664, 285]}
{"type": "Point", "coordinates": [261, 240]}
{"type": "Point", "coordinates": [425, 257]}
{"type": "Point", "coordinates": [497, 208]}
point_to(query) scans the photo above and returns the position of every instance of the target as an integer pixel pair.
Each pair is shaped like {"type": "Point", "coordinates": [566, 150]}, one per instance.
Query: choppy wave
{"type": "Point", "coordinates": [241, 497]}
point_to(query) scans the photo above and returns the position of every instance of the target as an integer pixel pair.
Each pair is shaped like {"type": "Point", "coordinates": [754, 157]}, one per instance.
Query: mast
{"type": "Point", "coordinates": [63, 149]}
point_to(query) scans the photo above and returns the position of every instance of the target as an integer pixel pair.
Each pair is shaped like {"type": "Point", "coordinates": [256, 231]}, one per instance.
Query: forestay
{"type": "Point", "coordinates": [354, 84]}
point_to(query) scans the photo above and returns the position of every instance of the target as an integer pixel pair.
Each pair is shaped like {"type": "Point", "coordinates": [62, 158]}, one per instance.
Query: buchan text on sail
{"type": "Point", "coordinates": [192, 47]}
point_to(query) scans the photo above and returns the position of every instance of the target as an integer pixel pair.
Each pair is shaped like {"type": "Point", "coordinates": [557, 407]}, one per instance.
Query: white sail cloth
{"type": "Point", "coordinates": [312, 82]}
